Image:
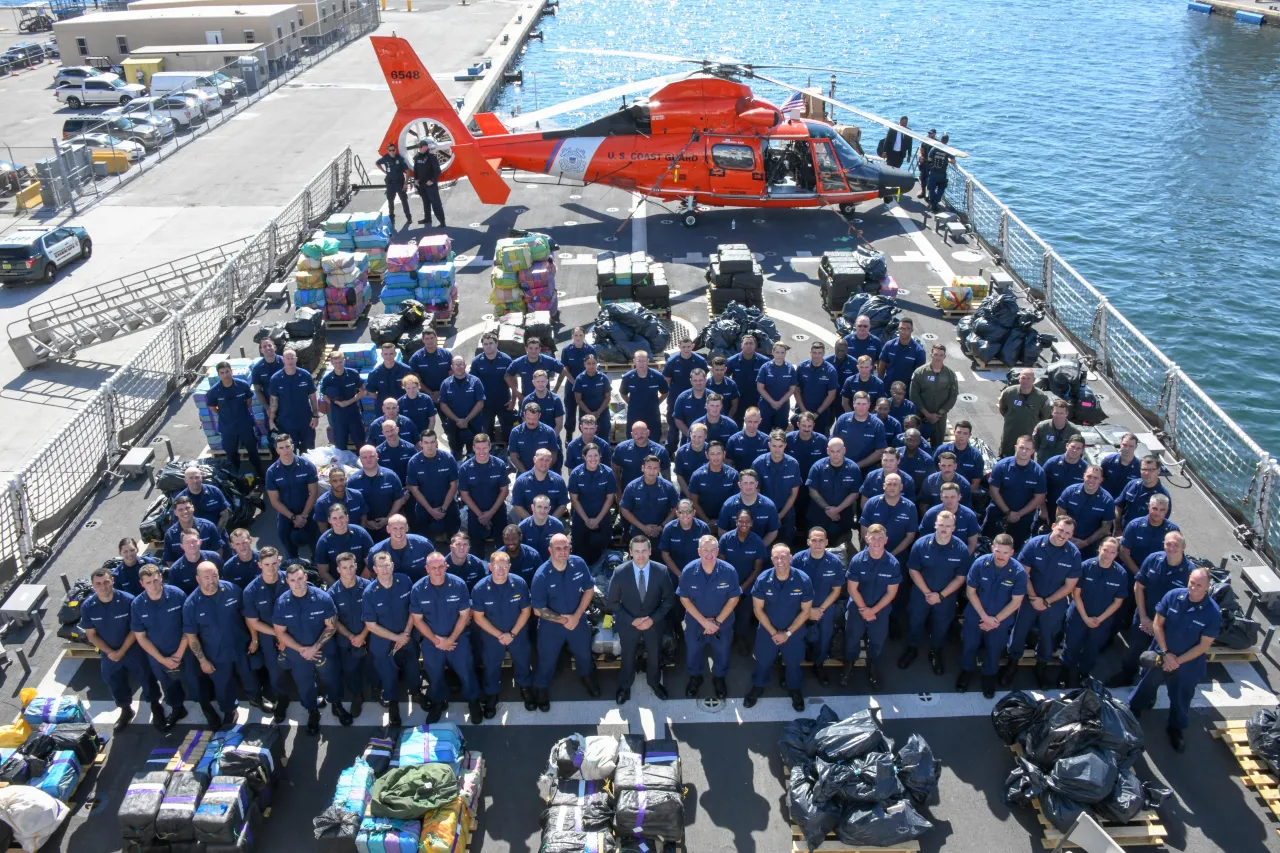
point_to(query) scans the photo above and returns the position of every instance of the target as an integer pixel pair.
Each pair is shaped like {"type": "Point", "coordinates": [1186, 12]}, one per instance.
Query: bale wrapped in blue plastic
{"type": "Point", "coordinates": [337, 826]}
{"type": "Point", "coordinates": [431, 743]}
{"type": "Point", "coordinates": [60, 776]}
{"type": "Point", "coordinates": [55, 709]}
{"type": "Point", "coordinates": [388, 835]}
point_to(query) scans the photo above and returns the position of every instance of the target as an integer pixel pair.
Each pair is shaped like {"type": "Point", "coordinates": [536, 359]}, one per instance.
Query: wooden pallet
{"type": "Point", "coordinates": [1258, 773]}
{"type": "Point", "coordinates": [1029, 658]}
{"type": "Point", "coordinates": [1145, 830]}
{"type": "Point", "coordinates": [989, 365]}
{"type": "Point", "coordinates": [833, 663]}
{"type": "Point", "coordinates": [345, 325]}
{"type": "Point", "coordinates": [1225, 655]}
{"type": "Point", "coordinates": [935, 293]}
{"type": "Point", "coordinates": [244, 454]}
{"type": "Point", "coordinates": [611, 664]}
{"type": "Point", "coordinates": [78, 652]}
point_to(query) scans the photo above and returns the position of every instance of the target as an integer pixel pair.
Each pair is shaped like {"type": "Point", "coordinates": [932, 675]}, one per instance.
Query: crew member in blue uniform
{"type": "Point", "coordinates": [352, 641]}
{"type": "Point", "coordinates": [873, 482]}
{"type": "Point", "coordinates": [384, 380]}
{"type": "Point", "coordinates": [588, 433]}
{"type": "Point", "coordinates": [501, 609]}
{"type": "Point", "coordinates": [416, 405]}
{"type": "Point", "coordinates": [391, 413]}
{"type": "Point", "coordinates": [294, 409]}
{"type": "Point", "coordinates": [213, 622]}
{"type": "Point", "coordinates": [1052, 564]}
{"type": "Point", "coordinates": [719, 426]}
{"type": "Point", "coordinates": [1186, 623]}
{"type": "Point", "coordinates": [780, 481]}
{"type": "Point", "coordinates": [746, 445]}
{"type": "Point", "coordinates": [440, 609]}
{"type": "Point", "coordinates": [463, 398]}
{"type": "Point", "coordinates": [864, 379]}
{"type": "Point", "coordinates": [861, 342]}
{"type": "Point", "coordinates": [781, 598]}
{"type": "Point", "coordinates": [806, 445]}
{"type": "Point", "coordinates": [776, 383]}
{"type": "Point", "coordinates": [948, 472]}
{"type": "Point", "coordinates": [394, 451]}
{"type": "Point", "coordinates": [553, 411]}
{"type": "Point", "coordinates": [629, 456]}
{"type": "Point", "coordinates": [540, 480]}
{"type": "Point", "coordinates": [895, 514]}
{"type": "Point", "coordinates": [914, 461]}
{"type": "Point", "coordinates": [678, 544]}
{"type": "Point", "coordinates": [764, 513]}
{"type": "Point", "coordinates": [520, 373]}
{"type": "Point", "coordinates": [937, 567]}
{"type": "Point", "coordinates": [382, 490]}
{"type": "Point", "coordinates": [1092, 508]}
{"type": "Point", "coordinates": [649, 502]}
{"type": "Point", "coordinates": [242, 566]}
{"type": "Point", "coordinates": [1160, 572]}
{"type": "Point", "coordinates": [968, 528]}
{"type": "Point", "coordinates": [1097, 598]}
{"type": "Point", "coordinates": [1142, 538]}
{"type": "Point", "coordinates": [262, 370]}
{"type": "Point", "coordinates": [258, 607]}
{"type": "Point", "coordinates": [184, 510]}
{"type": "Point", "coordinates": [678, 372]}
{"type": "Point", "coordinates": [644, 390]}
{"type": "Point", "coordinates": [1018, 490]}
{"type": "Point", "coordinates": [900, 356]}
{"type": "Point", "coordinates": [392, 647]}
{"type": "Point", "coordinates": [490, 367]}
{"type": "Point", "coordinates": [482, 486]}
{"type": "Point", "coordinates": [691, 456]}
{"type": "Point", "coordinates": [432, 481]}
{"type": "Point", "coordinates": [306, 622]}
{"type": "Point", "coordinates": [689, 407]}
{"type": "Point", "coordinates": [106, 619]}
{"type": "Point", "coordinates": [640, 598]}
{"type": "Point", "coordinates": [743, 367]}
{"type": "Point", "coordinates": [862, 433]}
{"type": "Point", "coordinates": [719, 382]}
{"type": "Point", "coordinates": [826, 572]}
{"type": "Point", "coordinates": [711, 485]}
{"type": "Point", "coordinates": [537, 529]}
{"type": "Point", "coordinates": [338, 493]}
{"type": "Point", "coordinates": [432, 364]}
{"type": "Point", "coordinates": [530, 436]}
{"type": "Point", "coordinates": [969, 462]}
{"type": "Point", "coordinates": [523, 559]}
{"type": "Point", "coordinates": [182, 571]}
{"type": "Point", "coordinates": [817, 386]}
{"type": "Point", "coordinates": [461, 563]}
{"type": "Point", "coordinates": [155, 618]}
{"type": "Point", "coordinates": [394, 167]}
{"type": "Point", "coordinates": [845, 367]}
{"type": "Point", "coordinates": [592, 390]}
{"type": "Point", "coordinates": [900, 408]}
{"type": "Point", "coordinates": [742, 548]}
{"type": "Point", "coordinates": [230, 400]}
{"type": "Point", "coordinates": [1132, 501]}
{"type": "Point", "coordinates": [408, 550]}
{"type": "Point", "coordinates": [995, 586]}
{"type": "Point", "coordinates": [709, 592]}
{"type": "Point", "coordinates": [562, 592]}
{"type": "Point", "coordinates": [208, 501]}
{"type": "Point", "coordinates": [873, 578]}
{"type": "Point", "coordinates": [127, 573]}
{"type": "Point", "coordinates": [343, 389]}
{"type": "Point", "coordinates": [293, 487]}
{"type": "Point", "coordinates": [592, 494]}
{"type": "Point", "coordinates": [574, 358]}
{"type": "Point", "coordinates": [341, 536]}
{"type": "Point", "coordinates": [1119, 468]}
{"type": "Point", "coordinates": [1063, 471]}
{"type": "Point", "coordinates": [833, 485]}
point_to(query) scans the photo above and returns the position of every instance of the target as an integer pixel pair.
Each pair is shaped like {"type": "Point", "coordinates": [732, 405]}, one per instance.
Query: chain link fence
{"type": "Point", "coordinates": [45, 493]}
{"type": "Point", "coordinates": [1239, 473]}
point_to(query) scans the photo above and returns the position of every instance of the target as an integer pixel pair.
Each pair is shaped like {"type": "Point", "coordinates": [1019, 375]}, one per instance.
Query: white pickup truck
{"type": "Point", "coordinates": [105, 89]}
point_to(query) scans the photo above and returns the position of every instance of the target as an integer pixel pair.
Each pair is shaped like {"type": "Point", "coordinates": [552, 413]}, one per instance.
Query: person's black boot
{"type": "Point", "coordinates": [344, 716]}
{"type": "Point", "coordinates": [721, 687]}
{"type": "Point", "coordinates": [490, 707]}
{"type": "Point", "coordinates": [313, 722]}
{"type": "Point", "coordinates": [357, 705]}
{"type": "Point", "coordinates": [475, 714]}
{"type": "Point", "coordinates": [157, 717]}
{"type": "Point", "coordinates": [908, 657]}
{"type": "Point", "coordinates": [797, 701]}
{"type": "Point", "coordinates": [962, 683]}
{"type": "Point", "coordinates": [820, 674]}
{"type": "Point", "coordinates": [281, 710]}
{"type": "Point", "coordinates": [1042, 675]}
{"type": "Point", "coordinates": [544, 700]}
{"type": "Point", "coordinates": [592, 684]}
{"type": "Point", "coordinates": [846, 675]}
{"type": "Point", "coordinates": [211, 715]}
{"type": "Point", "coordinates": [935, 661]}
{"type": "Point", "coordinates": [1068, 677]}
{"type": "Point", "coordinates": [530, 698]}
{"type": "Point", "coordinates": [393, 715]}
{"type": "Point", "coordinates": [1176, 740]}
{"type": "Point", "coordinates": [988, 686]}
{"type": "Point", "coordinates": [262, 703]}
{"type": "Point", "coordinates": [873, 675]}
{"type": "Point", "coordinates": [1005, 676]}
{"type": "Point", "coordinates": [435, 710]}
{"type": "Point", "coordinates": [695, 684]}
{"type": "Point", "coordinates": [753, 696]}
{"type": "Point", "coordinates": [175, 716]}
{"type": "Point", "coordinates": [126, 717]}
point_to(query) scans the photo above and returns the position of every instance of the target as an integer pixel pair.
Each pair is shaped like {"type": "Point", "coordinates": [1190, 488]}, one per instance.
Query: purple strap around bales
{"type": "Point", "coordinates": [577, 758]}
{"type": "Point", "coordinates": [185, 798]}
{"type": "Point", "coordinates": [640, 810]}
{"type": "Point", "coordinates": [223, 786]}
{"type": "Point", "coordinates": [195, 741]}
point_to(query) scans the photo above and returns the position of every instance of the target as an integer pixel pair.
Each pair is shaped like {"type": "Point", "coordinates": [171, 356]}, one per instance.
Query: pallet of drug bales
{"type": "Point", "coordinates": [94, 767]}
{"type": "Point", "coordinates": [935, 293]}
{"type": "Point", "coordinates": [347, 325]}
{"type": "Point", "coordinates": [1145, 830]}
{"type": "Point", "coordinates": [832, 844]}
{"type": "Point", "coordinates": [1256, 771]}
{"type": "Point", "coordinates": [1222, 654]}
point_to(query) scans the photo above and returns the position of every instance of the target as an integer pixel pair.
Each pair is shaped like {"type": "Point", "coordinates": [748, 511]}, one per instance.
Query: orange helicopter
{"type": "Point", "coordinates": [699, 138]}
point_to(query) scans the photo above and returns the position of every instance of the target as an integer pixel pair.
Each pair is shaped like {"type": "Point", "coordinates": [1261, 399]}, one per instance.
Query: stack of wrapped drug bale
{"type": "Point", "coordinates": [999, 331]}
{"type": "Point", "coordinates": [53, 756]}
{"type": "Point", "coordinates": [723, 334]}
{"type": "Point", "coordinates": [509, 259]}
{"type": "Point", "coordinates": [882, 311]}
{"type": "Point", "coordinates": [240, 368]}
{"type": "Point", "coordinates": [401, 277]}
{"type": "Point", "coordinates": [255, 753]}
{"type": "Point", "coordinates": [576, 788]}
{"type": "Point", "coordinates": [624, 328]}
{"type": "Point", "coordinates": [634, 277]}
{"type": "Point", "coordinates": [842, 273]}
{"type": "Point", "coordinates": [337, 826]}
{"type": "Point", "coordinates": [308, 278]}
{"type": "Point", "coordinates": [1075, 753]}
{"type": "Point", "coordinates": [371, 233]}
{"type": "Point", "coordinates": [515, 328]}
{"type": "Point", "coordinates": [338, 227]}
{"type": "Point", "coordinates": [845, 777]}
{"type": "Point", "coordinates": [437, 287]}
{"type": "Point", "coordinates": [735, 276]}
{"type": "Point", "coordinates": [346, 292]}
{"type": "Point", "coordinates": [538, 280]}
{"type": "Point", "coordinates": [650, 793]}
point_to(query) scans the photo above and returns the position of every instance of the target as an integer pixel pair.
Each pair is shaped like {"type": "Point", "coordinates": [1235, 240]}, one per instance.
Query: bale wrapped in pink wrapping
{"type": "Point", "coordinates": [434, 248]}
{"type": "Point", "coordinates": [402, 257]}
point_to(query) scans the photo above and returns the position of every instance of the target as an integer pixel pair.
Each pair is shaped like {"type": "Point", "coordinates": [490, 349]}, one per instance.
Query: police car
{"type": "Point", "coordinates": [36, 254]}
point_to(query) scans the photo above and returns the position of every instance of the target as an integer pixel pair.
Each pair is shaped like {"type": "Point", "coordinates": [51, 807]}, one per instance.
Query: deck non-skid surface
{"type": "Point", "coordinates": [736, 796]}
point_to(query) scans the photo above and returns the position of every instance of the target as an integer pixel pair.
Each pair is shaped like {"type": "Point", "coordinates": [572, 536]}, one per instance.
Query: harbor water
{"type": "Point", "coordinates": [1135, 138]}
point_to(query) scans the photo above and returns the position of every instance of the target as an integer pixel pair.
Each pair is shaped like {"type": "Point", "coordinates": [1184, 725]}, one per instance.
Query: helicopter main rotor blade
{"type": "Point", "coordinates": [530, 119]}
{"type": "Point", "coordinates": [906, 131]}
{"type": "Point", "coordinates": [752, 65]}
{"type": "Point", "coordinates": [631, 54]}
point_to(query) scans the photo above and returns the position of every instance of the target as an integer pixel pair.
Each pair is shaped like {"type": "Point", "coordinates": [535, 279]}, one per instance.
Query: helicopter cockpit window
{"type": "Point", "coordinates": [845, 153]}
{"type": "Point", "coordinates": [739, 157]}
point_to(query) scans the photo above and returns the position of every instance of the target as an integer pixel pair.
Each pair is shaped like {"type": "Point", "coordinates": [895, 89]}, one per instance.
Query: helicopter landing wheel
{"type": "Point", "coordinates": [690, 219]}
{"type": "Point", "coordinates": [848, 209]}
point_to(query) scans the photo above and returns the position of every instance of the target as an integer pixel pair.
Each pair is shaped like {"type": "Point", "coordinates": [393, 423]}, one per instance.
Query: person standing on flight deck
{"type": "Point", "coordinates": [895, 148]}
{"type": "Point", "coordinates": [393, 165]}
{"type": "Point", "coordinates": [426, 172]}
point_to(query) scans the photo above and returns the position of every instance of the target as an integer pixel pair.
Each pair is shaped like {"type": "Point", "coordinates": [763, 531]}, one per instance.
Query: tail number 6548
{"type": "Point", "coordinates": [405, 75]}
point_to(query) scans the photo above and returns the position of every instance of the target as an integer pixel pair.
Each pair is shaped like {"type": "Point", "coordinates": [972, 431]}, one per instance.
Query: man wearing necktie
{"type": "Point", "coordinates": [640, 597]}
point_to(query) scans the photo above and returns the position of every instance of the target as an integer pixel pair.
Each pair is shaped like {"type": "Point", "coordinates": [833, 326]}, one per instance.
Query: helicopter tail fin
{"type": "Point", "coordinates": [423, 112]}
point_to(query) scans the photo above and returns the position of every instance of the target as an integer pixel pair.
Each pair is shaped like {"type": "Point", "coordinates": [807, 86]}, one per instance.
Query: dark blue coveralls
{"type": "Point", "coordinates": [873, 577]}
{"type": "Point", "coordinates": [783, 601]}
{"type": "Point", "coordinates": [1186, 622]}
{"type": "Point", "coordinates": [161, 621]}
{"type": "Point", "coordinates": [349, 603]}
{"type": "Point", "coordinates": [709, 592]}
{"type": "Point", "coordinates": [440, 608]}
{"type": "Point", "coordinates": [1048, 568]}
{"type": "Point", "coordinates": [939, 565]}
{"type": "Point", "coordinates": [388, 607]}
{"type": "Point", "coordinates": [1099, 586]}
{"type": "Point", "coordinates": [996, 586]}
{"type": "Point", "coordinates": [218, 622]}
{"type": "Point", "coordinates": [260, 600]}
{"type": "Point", "coordinates": [501, 604]}
{"type": "Point", "coordinates": [825, 573]}
{"type": "Point", "coordinates": [561, 592]}
{"type": "Point", "coordinates": [112, 620]}
{"type": "Point", "coordinates": [303, 617]}
{"type": "Point", "coordinates": [292, 483]}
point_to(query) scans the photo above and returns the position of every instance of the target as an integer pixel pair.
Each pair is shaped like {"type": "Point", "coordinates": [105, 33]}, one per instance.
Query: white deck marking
{"type": "Point", "coordinates": [639, 224]}
{"type": "Point", "coordinates": [936, 262]}
{"type": "Point", "coordinates": [908, 258]}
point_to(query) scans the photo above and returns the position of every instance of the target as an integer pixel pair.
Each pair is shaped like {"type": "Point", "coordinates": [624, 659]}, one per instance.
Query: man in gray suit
{"type": "Point", "coordinates": [640, 597]}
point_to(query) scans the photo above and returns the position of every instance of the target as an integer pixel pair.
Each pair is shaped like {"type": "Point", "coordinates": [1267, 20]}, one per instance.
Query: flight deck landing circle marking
{"type": "Point", "coordinates": [800, 336]}
{"type": "Point", "coordinates": [611, 210]}
{"type": "Point", "coordinates": [782, 289]}
{"type": "Point", "coordinates": [710, 705]}
{"type": "Point", "coordinates": [925, 697]}
{"type": "Point", "coordinates": [566, 256]}
{"type": "Point", "coordinates": [575, 197]}
{"type": "Point", "coordinates": [474, 225]}
{"type": "Point", "coordinates": [929, 336]}
{"type": "Point", "coordinates": [668, 222]}
{"type": "Point", "coordinates": [966, 257]}
{"type": "Point", "coordinates": [902, 291]}
{"type": "Point", "coordinates": [611, 239]}
{"type": "Point", "coordinates": [571, 222]}
{"type": "Point", "coordinates": [968, 398]}
{"type": "Point", "coordinates": [92, 523]}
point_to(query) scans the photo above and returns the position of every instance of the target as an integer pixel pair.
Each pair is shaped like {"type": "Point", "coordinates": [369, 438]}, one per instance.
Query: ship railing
{"type": "Point", "coordinates": [1211, 446]}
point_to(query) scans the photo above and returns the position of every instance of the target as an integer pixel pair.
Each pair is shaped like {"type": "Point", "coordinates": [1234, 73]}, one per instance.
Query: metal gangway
{"type": "Point", "coordinates": [59, 328]}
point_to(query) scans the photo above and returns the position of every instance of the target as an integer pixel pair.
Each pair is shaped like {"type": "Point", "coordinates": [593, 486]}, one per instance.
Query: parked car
{"type": "Point", "coordinates": [75, 74]}
{"type": "Point", "coordinates": [121, 127]}
{"type": "Point", "coordinates": [25, 54]}
{"type": "Point", "coordinates": [164, 126]}
{"type": "Point", "coordinates": [103, 89]}
{"type": "Point", "coordinates": [51, 49]}
{"type": "Point", "coordinates": [13, 177]}
{"type": "Point", "coordinates": [164, 82]}
{"type": "Point", "coordinates": [36, 254]}
{"type": "Point", "coordinates": [179, 108]}
{"type": "Point", "coordinates": [238, 87]}
{"type": "Point", "coordinates": [103, 142]}
{"type": "Point", "coordinates": [208, 103]}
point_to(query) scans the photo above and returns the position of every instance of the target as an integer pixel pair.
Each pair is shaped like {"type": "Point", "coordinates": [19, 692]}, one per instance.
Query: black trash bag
{"type": "Point", "coordinates": [1026, 782]}
{"type": "Point", "coordinates": [918, 770]}
{"type": "Point", "coordinates": [882, 826]}
{"type": "Point", "coordinates": [69, 612]}
{"type": "Point", "coordinates": [632, 315]}
{"type": "Point", "coordinates": [1027, 318]}
{"type": "Point", "coordinates": [988, 329]}
{"type": "Point", "coordinates": [1224, 595]}
{"type": "Point", "coordinates": [1013, 714]}
{"type": "Point", "coordinates": [412, 313]}
{"type": "Point", "coordinates": [80, 738]}
{"type": "Point", "coordinates": [305, 323]}
{"type": "Point", "coordinates": [852, 737]}
{"type": "Point", "coordinates": [843, 327]}
{"type": "Point", "coordinates": [276, 331]}
{"type": "Point", "coordinates": [385, 329]}
{"type": "Point", "coordinates": [169, 480]}
{"type": "Point", "coordinates": [1263, 732]}
{"type": "Point", "coordinates": [335, 829]}
{"type": "Point", "coordinates": [875, 780]}
{"type": "Point", "coordinates": [796, 735]}
{"type": "Point", "coordinates": [409, 343]}
{"type": "Point", "coordinates": [651, 813]}
{"type": "Point", "coordinates": [1085, 778]}
{"type": "Point", "coordinates": [1126, 800]}
{"type": "Point", "coordinates": [1084, 704]}
{"type": "Point", "coordinates": [15, 770]}
{"type": "Point", "coordinates": [1155, 794]}
{"type": "Point", "coordinates": [1121, 733]}
{"type": "Point", "coordinates": [1238, 632]}
{"type": "Point", "coordinates": [980, 348]}
{"type": "Point", "coordinates": [1060, 810]}
{"type": "Point", "coordinates": [608, 353]}
{"type": "Point", "coordinates": [1032, 345]}
{"type": "Point", "coordinates": [1064, 378]}
{"type": "Point", "coordinates": [1000, 308]}
{"type": "Point", "coordinates": [872, 263]}
{"type": "Point", "coordinates": [814, 818]}
{"type": "Point", "coordinates": [1011, 351]}
{"type": "Point", "coordinates": [964, 326]}
{"type": "Point", "coordinates": [1045, 744]}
